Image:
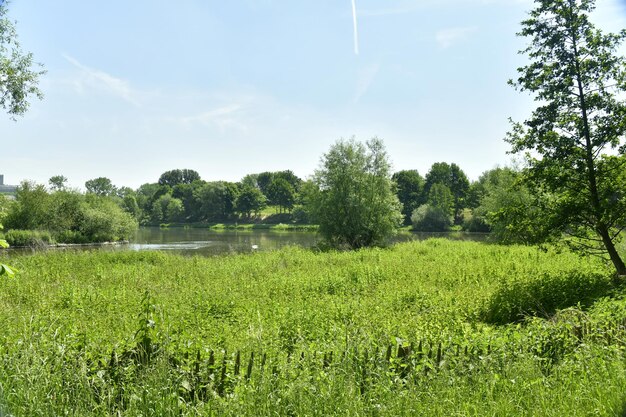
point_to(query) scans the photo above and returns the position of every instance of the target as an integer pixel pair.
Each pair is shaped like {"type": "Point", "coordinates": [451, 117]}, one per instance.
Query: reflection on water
{"type": "Point", "coordinates": [206, 242]}
{"type": "Point", "coordinates": [211, 242]}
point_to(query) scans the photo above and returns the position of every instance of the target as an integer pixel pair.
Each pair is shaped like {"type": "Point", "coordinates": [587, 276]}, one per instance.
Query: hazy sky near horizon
{"type": "Point", "coordinates": [228, 88]}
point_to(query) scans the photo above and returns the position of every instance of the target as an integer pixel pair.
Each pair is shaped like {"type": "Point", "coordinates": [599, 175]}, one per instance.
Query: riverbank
{"type": "Point", "coordinates": [242, 226]}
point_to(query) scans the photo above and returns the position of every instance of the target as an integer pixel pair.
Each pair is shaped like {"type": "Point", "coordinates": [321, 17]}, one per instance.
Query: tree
{"type": "Point", "coordinates": [18, 78]}
{"type": "Point", "coordinates": [409, 186]}
{"type": "Point", "coordinates": [216, 200]}
{"type": "Point", "coordinates": [57, 182]}
{"type": "Point", "coordinates": [263, 181]}
{"type": "Point", "coordinates": [436, 214]}
{"type": "Point", "coordinates": [101, 186]}
{"type": "Point", "coordinates": [250, 200]}
{"type": "Point", "coordinates": [356, 204]}
{"type": "Point", "coordinates": [281, 193]}
{"type": "Point", "coordinates": [452, 177]}
{"type": "Point", "coordinates": [579, 82]}
{"type": "Point", "coordinates": [178, 176]}
{"type": "Point", "coordinates": [512, 213]}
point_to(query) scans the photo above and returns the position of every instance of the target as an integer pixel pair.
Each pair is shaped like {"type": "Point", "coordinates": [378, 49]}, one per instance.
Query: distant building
{"type": "Point", "coordinates": [6, 189]}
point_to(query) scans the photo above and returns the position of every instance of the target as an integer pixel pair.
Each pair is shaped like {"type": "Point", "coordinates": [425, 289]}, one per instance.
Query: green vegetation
{"type": "Point", "coordinates": [145, 333]}
{"type": "Point", "coordinates": [38, 217]}
{"type": "Point", "coordinates": [18, 79]}
{"type": "Point", "coordinates": [576, 134]}
{"type": "Point", "coordinates": [356, 205]}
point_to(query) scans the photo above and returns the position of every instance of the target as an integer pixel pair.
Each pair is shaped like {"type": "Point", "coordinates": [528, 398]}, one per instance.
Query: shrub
{"type": "Point", "coordinates": [427, 218]}
{"type": "Point", "coordinates": [71, 236]}
{"type": "Point", "coordinates": [542, 296]}
{"type": "Point", "coordinates": [28, 238]}
{"type": "Point", "coordinates": [473, 222]}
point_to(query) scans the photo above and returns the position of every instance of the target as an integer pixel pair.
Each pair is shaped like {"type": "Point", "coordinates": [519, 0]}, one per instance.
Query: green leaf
{"type": "Point", "coordinates": [5, 269]}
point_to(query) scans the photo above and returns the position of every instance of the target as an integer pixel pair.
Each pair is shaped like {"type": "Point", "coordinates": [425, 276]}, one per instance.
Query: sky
{"type": "Point", "coordinates": [229, 88]}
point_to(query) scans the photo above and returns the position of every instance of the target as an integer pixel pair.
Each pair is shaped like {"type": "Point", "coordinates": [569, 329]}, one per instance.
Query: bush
{"type": "Point", "coordinates": [474, 223]}
{"type": "Point", "coordinates": [427, 218]}
{"type": "Point", "coordinates": [542, 296]}
{"type": "Point", "coordinates": [71, 236]}
{"type": "Point", "coordinates": [29, 238]}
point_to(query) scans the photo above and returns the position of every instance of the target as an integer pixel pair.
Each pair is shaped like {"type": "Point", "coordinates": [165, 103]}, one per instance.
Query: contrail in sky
{"type": "Point", "coordinates": [356, 32]}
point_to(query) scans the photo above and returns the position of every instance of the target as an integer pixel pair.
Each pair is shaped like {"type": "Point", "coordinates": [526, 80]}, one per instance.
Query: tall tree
{"type": "Point", "coordinates": [250, 200]}
{"type": "Point", "coordinates": [452, 177]}
{"type": "Point", "coordinates": [100, 186]}
{"type": "Point", "coordinates": [356, 204]}
{"type": "Point", "coordinates": [409, 186]}
{"type": "Point", "coordinates": [58, 182]}
{"type": "Point", "coordinates": [178, 176]}
{"type": "Point", "coordinates": [281, 193]}
{"type": "Point", "coordinates": [578, 80]}
{"type": "Point", "coordinates": [18, 76]}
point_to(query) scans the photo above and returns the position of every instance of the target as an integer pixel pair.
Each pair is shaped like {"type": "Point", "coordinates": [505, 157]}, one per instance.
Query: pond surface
{"type": "Point", "coordinates": [207, 242]}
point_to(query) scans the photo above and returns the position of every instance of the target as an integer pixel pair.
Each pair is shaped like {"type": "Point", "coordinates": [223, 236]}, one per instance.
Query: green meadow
{"type": "Point", "coordinates": [422, 328]}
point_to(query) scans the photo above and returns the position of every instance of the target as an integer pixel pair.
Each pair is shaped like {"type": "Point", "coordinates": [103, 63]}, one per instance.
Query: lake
{"type": "Point", "coordinates": [207, 242]}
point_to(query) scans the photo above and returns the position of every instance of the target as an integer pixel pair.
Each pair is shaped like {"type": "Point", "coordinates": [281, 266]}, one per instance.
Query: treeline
{"type": "Point", "coordinates": [40, 216]}
{"type": "Point", "coordinates": [442, 199]}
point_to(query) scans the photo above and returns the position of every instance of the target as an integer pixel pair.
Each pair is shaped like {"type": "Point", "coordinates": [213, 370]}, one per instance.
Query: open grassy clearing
{"type": "Point", "coordinates": [67, 312]}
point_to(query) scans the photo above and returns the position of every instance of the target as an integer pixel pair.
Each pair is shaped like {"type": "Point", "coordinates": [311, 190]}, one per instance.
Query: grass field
{"type": "Point", "coordinates": [422, 328]}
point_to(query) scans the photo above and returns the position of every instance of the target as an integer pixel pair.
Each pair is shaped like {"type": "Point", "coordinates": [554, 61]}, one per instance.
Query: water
{"type": "Point", "coordinates": [211, 242]}
{"type": "Point", "coordinates": [207, 242]}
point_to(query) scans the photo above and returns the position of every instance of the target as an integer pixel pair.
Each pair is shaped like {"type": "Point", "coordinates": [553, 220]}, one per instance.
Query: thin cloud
{"type": "Point", "coordinates": [365, 78]}
{"type": "Point", "coordinates": [222, 117]}
{"type": "Point", "coordinates": [450, 36]}
{"type": "Point", "coordinates": [113, 85]}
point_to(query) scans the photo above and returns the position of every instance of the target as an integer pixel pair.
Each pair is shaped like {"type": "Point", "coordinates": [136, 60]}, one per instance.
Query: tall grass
{"type": "Point", "coordinates": [75, 327]}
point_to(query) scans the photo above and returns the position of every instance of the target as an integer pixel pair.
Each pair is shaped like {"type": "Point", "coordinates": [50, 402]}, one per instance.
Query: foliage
{"type": "Point", "coordinates": [101, 186]}
{"type": "Point", "coordinates": [29, 238]}
{"type": "Point", "coordinates": [441, 197]}
{"type": "Point", "coordinates": [512, 212]}
{"type": "Point", "coordinates": [167, 209]}
{"type": "Point", "coordinates": [250, 200]}
{"type": "Point", "coordinates": [18, 77]}
{"type": "Point", "coordinates": [356, 204]}
{"type": "Point", "coordinates": [429, 218]}
{"type": "Point", "coordinates": [5, 269]}
{"type": "Point", "coordinates": [578, 79]}
{"type": "Point", "coordinates": [57, 335]}
{"type": "Point", "coordinates": [543, 295]}
{"type": "Point", "coordinates": [65, 216]}
{"type": "Point", "coordinates": [281, 193]}
{"type": "Point", "coordinates": [57, 182]}
{"type": "Point", "coordinates": [216, 200]}
{"type": "Point", "coordinates": [452, 177]}
{"type": "Point", "coordinates": [409, 188]}
{"type": "Point", "coordinates": [178, 176]}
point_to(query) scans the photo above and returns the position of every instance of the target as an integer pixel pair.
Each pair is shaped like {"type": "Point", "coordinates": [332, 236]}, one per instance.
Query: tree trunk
{"type": "Point", "coordinates": [601, 228]}
{"type": "Point", "coordinates": [610, 248]}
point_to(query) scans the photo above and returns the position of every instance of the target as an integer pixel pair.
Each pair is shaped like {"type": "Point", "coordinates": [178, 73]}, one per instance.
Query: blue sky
{"type": "Point", "coordinates": [135, 88]}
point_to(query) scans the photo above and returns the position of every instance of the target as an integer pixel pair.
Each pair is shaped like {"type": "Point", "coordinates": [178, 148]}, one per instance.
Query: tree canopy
{"type": "Point", "coordinates": [453, 177]}
{"type": "Point", "coordinates": [409, 187]}
{"type": "Point", "coordinates": [574, 138]}
{"type": "Point", "coordinates": [178, 176]}
{"type": "Point", "coordinates": [100, 186]}
{"type": "Point", "coordinates": [356, 205]}
{"type": "Point", "coordinates": [19, 77]}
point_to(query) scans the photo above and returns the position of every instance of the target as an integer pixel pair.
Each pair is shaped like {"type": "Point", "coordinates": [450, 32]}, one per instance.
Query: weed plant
{"type": "Point", "coordinates": [487, 330]}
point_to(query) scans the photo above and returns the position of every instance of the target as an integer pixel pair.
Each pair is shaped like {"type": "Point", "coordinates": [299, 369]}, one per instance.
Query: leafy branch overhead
{"type": "Point", "coordinates": [19, 75]}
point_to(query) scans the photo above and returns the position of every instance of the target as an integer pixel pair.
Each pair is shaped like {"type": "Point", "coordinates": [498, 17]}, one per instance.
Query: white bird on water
{"type": "Point", "coordinates": [255, 247]}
